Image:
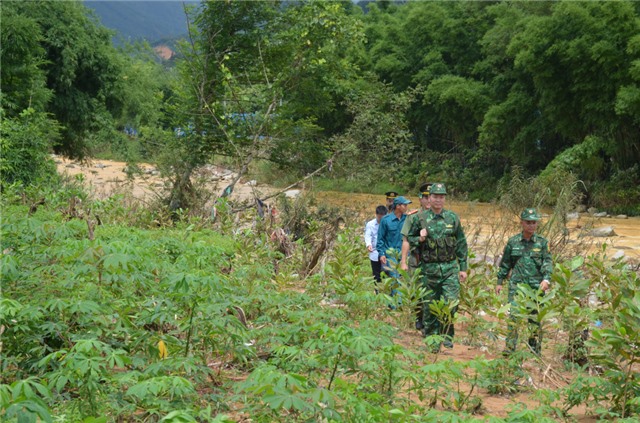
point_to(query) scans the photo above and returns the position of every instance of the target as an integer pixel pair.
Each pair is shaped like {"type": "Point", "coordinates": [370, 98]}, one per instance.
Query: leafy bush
{"type": "Point", "coordinates": [25, 142]}
{"type": "Point", "coordinates": [620, 194]}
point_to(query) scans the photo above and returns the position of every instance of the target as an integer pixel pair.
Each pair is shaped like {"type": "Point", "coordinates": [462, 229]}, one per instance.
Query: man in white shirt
{"type": "Point", "coordinates": [370, 240]}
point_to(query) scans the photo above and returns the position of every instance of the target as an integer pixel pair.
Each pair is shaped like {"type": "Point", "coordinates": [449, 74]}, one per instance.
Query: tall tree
{"type": "Point", "coordinates": [79, 66]}
{"type": "Point", "coordinates": [416, 44]}
{"type": "Point", "coordinates": [260, 80]}
{"type": "Point", "coordinates": [22, 56]}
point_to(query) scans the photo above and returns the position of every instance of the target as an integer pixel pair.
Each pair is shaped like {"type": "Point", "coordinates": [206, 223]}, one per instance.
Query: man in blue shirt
{"type": "Point", "coordinates": [389, 242]}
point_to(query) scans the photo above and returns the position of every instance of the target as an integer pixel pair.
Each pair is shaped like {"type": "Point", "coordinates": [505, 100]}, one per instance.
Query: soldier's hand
{"type": "Point", "coordinates": [423, 233]}
{"type": "Point", "coordinates": [544, 285]}
{"type": "Point", "coordinates": [463, 277]}
{"type": "Point", "coordinates": [498, 289]}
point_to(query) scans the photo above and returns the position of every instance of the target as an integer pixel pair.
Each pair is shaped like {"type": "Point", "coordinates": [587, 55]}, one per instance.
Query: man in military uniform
{"type": "Point", "coordinates": [413, 255]}
{"type": "Point", "coordinates": [527, 257]}
{"type": "Point", "coordinates": [438, 234]}
{"type": "Point", "coordinates": [391, 195]}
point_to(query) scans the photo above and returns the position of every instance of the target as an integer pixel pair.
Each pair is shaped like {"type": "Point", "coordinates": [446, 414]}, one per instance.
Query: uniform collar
{"type": "Point", "coordinates": [430, 210]}
{"type": "Point", "coordinates": [534, 237]}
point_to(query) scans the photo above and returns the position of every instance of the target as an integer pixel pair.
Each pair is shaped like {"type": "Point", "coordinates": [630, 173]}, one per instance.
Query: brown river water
{"type": "Point", "coordinates": [488, 226]}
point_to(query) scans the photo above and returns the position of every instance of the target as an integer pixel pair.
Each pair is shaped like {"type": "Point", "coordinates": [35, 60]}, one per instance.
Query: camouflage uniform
{"type": "Point", "coordinates": [443, 256]}
{"type": "Point", "coordinates": [529, 263]}
{"type": "Point", "coordinates": [414, 254]}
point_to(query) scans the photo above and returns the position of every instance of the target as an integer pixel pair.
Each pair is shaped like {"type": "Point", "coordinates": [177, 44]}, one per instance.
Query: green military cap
{"type": "Point", "coordinates": [529, 214]}
{"type": "Point", "coordinates": [438, 188]}
{"type": "Point", "coordinates": [391, 194]}
{"type": "Point", "coordinates": [424, 189]}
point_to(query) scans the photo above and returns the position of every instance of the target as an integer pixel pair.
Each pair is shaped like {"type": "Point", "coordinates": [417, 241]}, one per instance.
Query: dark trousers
{"type": "Point", "coordinates": [442, 282]}
{"type": "Point", "coordinates": [376, 268]}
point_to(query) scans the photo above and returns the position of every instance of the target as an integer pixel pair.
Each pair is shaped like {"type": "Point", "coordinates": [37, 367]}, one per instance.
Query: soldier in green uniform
{"type": "Point", "coordinates": [411, 257]}
{"type": "Point", "coordinates": [527, 257]}
{"type": "Point", "coordinates": [391, 195]}
{"type": "Point", "coordinates": [439, 236]}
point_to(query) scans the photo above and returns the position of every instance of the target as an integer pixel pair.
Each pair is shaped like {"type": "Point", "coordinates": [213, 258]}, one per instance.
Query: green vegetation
{"type": "Point", "coordinates": [104, 318]}
{"type": "Point", "coordinates": [390, 93]}
{"type": "Point", "coordinates": [119, 311]}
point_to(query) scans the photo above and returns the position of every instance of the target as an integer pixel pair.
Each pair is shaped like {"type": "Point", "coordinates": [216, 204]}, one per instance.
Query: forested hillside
{"type": "Point", "coordinates": [464, 92]}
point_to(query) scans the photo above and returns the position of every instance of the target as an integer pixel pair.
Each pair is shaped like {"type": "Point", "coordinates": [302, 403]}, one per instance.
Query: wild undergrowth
{"type": "Point", "coordinates": [184, 320]}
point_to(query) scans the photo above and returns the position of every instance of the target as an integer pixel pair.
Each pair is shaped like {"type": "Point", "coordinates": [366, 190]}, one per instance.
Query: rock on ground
{"type": "Point", "coordinates": [292, 193]}
{"type": "Point", "coordinates": [581, 208]}
{"type": "Point", "coordinates": [603, 231]}
{"type": "Point", "coordinates": [618, 255]}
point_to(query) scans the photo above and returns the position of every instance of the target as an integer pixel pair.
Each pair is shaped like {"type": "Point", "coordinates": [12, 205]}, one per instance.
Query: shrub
{"type": "Point", "coordinates": [25, 143]}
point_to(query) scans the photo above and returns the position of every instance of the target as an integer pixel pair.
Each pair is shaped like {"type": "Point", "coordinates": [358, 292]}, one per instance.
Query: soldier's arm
{"type": "Point", "coordinates": [462, 250]}
{"type": "Point", "coordinates": [505, 264]}
{"type": "Point", "coordinates": [406, 226]}
{"type": "Point", "coordinates": [405, 253]}
{"type": "Point", "coordinates": [411, 231]}
{"type": "Point", "coordinates": [547, 262]}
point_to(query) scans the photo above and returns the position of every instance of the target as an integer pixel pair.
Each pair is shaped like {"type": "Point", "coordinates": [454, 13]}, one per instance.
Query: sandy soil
{"type": "Point", "coordinates": [107, 177]}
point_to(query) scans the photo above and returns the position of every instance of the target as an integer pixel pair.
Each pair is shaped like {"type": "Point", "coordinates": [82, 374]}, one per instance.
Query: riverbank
{"type": "Point", "coordinates": [486, 224]}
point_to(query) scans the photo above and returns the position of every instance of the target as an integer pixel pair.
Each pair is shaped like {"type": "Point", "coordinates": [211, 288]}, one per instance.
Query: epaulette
{"type": "Point", "coordinates": [410, 212]}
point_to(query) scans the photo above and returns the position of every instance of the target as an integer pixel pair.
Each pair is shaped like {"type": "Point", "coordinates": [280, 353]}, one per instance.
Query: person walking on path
{"type": "Point", "coordinates": [438, 234]}
{"type": "Point", "coordinates": [411, 256]}
{"type": "Point", "coordinates": [370, 240]}
{"type": "Point", "coordinates": [527, 257]}
{"type": "Point", "coordinates": [391, 195]}
{"type": "Point", "coordinates": [389, 241]}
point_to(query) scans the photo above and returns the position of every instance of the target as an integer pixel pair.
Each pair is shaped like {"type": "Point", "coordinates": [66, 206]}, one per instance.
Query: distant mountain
{"type": "Point", "coordinates": [150, 20]}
